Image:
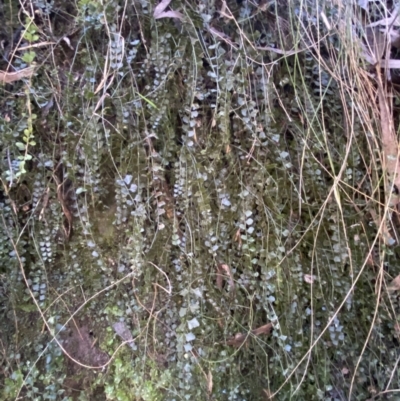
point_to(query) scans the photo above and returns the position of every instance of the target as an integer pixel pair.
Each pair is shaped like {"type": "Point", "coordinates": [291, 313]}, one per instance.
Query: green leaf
{"type": "Point", "coordinates": [28, 57]}
{"type": "Point", "coordinates": [80, 190]}
{"type": "Point", "coordinates": [28, 36]}
{"type": "Point", "coordinates": [27, 307]}
{"type": "Point", "coordinates": [147, 100]}
{"type": "Point", "coordinates": [20, 145]}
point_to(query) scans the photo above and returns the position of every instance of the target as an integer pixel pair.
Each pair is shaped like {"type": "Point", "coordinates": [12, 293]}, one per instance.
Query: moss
{"type": "Point", "coordinates": [205, 203]}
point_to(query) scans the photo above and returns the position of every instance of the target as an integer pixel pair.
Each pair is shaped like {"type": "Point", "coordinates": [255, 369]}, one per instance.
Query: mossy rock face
{"type": "Point", "coordinates": [211, 182]}
{"type": "Point", "coordinates": [104, 225]}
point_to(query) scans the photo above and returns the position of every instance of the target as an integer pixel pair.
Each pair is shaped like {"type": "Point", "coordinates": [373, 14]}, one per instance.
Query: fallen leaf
{"type": "Point", "coordinates": [124, 333]}
{"type": "Point", "coordinates": [395, 284]}
{"type": "Point", "coordinates": [161, 7]}
{"type": "Point", "coordinates": [219, 281]}
{"type": "Point", "coordinates": [239, 339]}
{"type": "Point", "coordinates": [170, 14]}
{"type": "Point", "coordinates": [238, 238]}
{"type": "Point", "coordinates": [7, 77]}
{"type": "Point", "coordinates": [209, 383]}
{"type": "Point", "coordinates": [224, 270]}
{"type": "Point", "coordinates": [159, 11]}
{"type": "Point", "coordinates": [266, 329]}
{"type": "Point", "coordinates": [68, 42]}
{"type": "Point", "coordinates": [308, 278]}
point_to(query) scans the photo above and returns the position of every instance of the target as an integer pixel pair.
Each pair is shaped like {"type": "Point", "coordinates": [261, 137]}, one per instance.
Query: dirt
{"type": "Point", "coordinates": [84, 356]}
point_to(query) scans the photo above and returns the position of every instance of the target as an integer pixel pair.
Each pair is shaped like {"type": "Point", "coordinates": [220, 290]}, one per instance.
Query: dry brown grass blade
{"type": "Point", "coordinates": [239, 339]}
{"type": "Point", "coordinates": [8, 77]}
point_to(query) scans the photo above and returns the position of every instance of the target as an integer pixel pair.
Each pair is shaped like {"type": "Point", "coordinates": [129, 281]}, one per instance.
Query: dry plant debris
{"type": "Point", "coordinates": [395, 284]}
{"type": "Point", "coordinates": [224, 271]}
{"type": "Point", "coordinates": [240, 338]}
{"type": "Point", "coordinates": [159, 11]}
{"type": "Point", "coordinates": [7, 77]}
